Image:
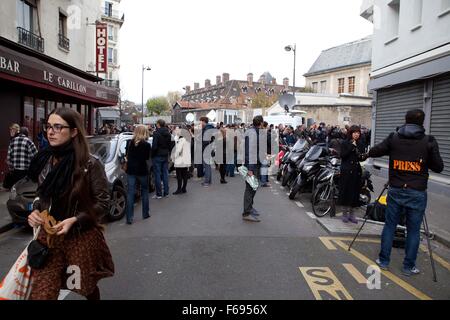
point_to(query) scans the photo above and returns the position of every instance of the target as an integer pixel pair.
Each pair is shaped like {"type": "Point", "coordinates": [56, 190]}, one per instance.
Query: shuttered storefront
{"type": "Point", "coordinates": [392, 105]}
{"type": "Point", "coordinates": [440, 119]}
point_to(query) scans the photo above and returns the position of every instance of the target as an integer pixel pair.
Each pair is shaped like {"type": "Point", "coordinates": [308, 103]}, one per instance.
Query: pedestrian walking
{"type": "Point", "coordinates": [207, 160]}
{"type": "Point", "coordinates": [253, 164]}
{"type": "Point", "coordinates": [181, 157]}
{"type": "Point", "coordinates": [265, 162]}
{"type": "Point", "coordinates": [221, 153]}
{"type": "Point", "coordinates": [21, 151]}
{"type": "Point", "coordinates": [74, 190]}
{"type": "Point", "coordinates": [138, 153]}
{"type": "Point", "coordinates": [411, 154]}
{"type": "Point", "coordinates": [161, 147]}
{"type": "Point", "coordinates": [350, 176]}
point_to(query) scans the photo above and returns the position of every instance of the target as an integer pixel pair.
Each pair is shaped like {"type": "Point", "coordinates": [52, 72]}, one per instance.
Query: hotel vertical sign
{"type": "Point", "coordinates": [102, 48]}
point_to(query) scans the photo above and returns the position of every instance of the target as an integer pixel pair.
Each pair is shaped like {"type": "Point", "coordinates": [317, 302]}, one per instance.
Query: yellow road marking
{"type": "Point", "coordinates": [355, 273]}
{"type": "Point", "coordinates": [327, 243]}
{"type": "Point", "coordinates": [323, 280]}
{"type": "Point", "coordinates": [436, 258]}
{"type": "Point", "coordinates": [417, 293]}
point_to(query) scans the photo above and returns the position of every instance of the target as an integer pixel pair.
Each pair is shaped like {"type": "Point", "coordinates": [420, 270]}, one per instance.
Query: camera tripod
{"type": "Point", "coordinates": [425, 224]}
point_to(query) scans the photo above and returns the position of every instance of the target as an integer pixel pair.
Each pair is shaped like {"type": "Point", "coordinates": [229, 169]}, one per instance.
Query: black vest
{"type": "Point", "coordinates": [408, 160]}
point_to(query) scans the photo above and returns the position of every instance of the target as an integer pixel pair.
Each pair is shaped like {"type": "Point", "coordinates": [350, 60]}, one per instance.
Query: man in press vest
{"type": "Point", "coordinates": [411, 154]}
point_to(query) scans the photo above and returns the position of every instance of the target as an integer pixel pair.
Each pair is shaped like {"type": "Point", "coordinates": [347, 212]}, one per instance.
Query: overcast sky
{"type": "Point", "coordinates": [187, 41]}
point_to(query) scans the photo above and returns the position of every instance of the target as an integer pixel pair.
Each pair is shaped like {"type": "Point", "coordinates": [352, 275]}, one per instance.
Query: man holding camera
{"type": "Point", "coordinates": [411, 154]}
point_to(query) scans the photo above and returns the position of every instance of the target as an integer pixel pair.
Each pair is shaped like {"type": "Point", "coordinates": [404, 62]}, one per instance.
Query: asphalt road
{"type": "Point", "coordinates": [196, 246]}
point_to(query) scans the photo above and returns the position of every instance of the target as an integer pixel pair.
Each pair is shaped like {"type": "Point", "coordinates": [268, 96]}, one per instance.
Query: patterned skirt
{"type": "Point", "coordinates": [76, 264]}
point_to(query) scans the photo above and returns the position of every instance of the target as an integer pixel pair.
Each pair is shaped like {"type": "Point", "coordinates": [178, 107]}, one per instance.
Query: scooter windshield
{"type": "Point", "coordinates": [313, 153]}
{"type": "Point", "coordinates": [299, 145]}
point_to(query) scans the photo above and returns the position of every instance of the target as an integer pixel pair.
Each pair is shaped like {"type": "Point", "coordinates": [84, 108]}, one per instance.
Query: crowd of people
{"type": "Point", "coordinates": [72, 185]}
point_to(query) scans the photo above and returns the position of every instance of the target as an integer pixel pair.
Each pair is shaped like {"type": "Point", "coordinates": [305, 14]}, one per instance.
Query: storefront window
{"type": "Point", "coordinates": [28, 114]}
{"type": "Point", "coordinates": [59, 105]}
{"type": "Point", "coordinates": [67, 105]}
{"type": "Point", "coordinates": [83, 113]}
{"type": "Point", "coordinates": [40, 122]}
{"type": "Point", "coordinates": [51, 105]}
{"type": "Point", "coordinates": [75, 107]}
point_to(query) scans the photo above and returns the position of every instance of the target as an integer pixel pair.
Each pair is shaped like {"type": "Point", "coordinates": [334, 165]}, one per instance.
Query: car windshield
{"type": "Point", "coordinates": [105, 150]}
{"type": "Point", "coordinates": [299, 145]}
{"type": "Point", "coordinates": [313, 153]}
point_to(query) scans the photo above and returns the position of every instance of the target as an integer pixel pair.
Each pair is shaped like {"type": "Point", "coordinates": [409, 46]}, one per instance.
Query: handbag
{"type": "Point", "coordinates": [37, 252]}
{"type": "Point", "coordinates": [18, 282]}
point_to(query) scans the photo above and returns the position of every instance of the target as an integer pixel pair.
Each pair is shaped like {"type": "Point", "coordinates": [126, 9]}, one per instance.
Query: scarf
{"type": "Point", "coordinates": [58, 180]}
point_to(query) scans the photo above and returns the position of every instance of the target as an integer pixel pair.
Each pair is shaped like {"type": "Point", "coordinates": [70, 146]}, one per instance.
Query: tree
{"type": "Point", "coordinates": [263, 101]}
{"type": "Point", "coordinates": [173, 97]}
{"type": "Point", "coordinates": [157, 105]}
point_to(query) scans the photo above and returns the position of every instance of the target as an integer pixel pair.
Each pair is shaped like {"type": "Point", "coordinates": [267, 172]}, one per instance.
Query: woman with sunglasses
{"type": "Point", "coordinates": [73, 189]}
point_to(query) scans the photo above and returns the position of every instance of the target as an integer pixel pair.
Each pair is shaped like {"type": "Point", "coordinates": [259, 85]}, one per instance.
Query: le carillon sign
{"type": "Point", "coordinates": [21, 68]}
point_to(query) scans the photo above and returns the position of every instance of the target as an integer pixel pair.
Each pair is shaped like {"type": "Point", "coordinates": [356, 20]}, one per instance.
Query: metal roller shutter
{"type": "Point", "coordinates": [440, 119]}
{"type": "Point", "coordinates": [392, 105]}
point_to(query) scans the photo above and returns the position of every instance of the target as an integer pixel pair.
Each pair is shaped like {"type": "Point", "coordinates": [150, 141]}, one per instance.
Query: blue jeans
{"type": "Point", "coordinates": [413, 203]}
{"type": "Point", "coordinates": [264, 172]}
{"type": "Point", "coordinates": [230, 169]}
{"type": "Point", "coordinates": [207, 173]}
{"type": "Point", "coordinates": [161, 168]}
{"type": "Point", "coordinates": [143, 180]}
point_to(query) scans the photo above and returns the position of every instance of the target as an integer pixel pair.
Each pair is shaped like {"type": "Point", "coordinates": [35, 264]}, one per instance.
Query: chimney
{"type": "Point", "coordinates": [250, 79]}
{"type": "Point", "coordinates": [218, 80]}
{"type": "Point", "coordinates": [274, 80]}
{"type": "Point", "coordinates": [196, 86]}
{"type": "Point", "coordinates": [263, 79]}
{"type": "Point", "coordinates": [188, 89]}
{"type": "Point", "coordinates": [225, 77]}
{"type": "Point", "coordinates": [286, 83]}
{"type": "Point", "coordinates": [207, 83]}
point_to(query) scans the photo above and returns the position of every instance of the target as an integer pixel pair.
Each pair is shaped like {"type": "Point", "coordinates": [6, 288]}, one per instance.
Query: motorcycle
{"type": "Point", "coordinates": [291, 163]}
{"type": "Point", "coordinates": [308, 168]}
{"type": "Point", "coordinates": [326, 192]}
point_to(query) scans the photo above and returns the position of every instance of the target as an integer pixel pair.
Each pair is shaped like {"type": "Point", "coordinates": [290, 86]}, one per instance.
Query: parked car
{"type": "Point", "coordinates": [110, 150]}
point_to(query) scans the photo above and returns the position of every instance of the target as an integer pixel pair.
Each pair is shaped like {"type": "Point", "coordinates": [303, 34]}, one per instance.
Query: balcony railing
{"type": "Point", "coordinates": [111, 83]}
{"type": "Point", "coordinates": [115, 14]}
{"type": "Point", "coordinates": [64, 42]}
{"type": "Point", "coordinates": [30, 39]}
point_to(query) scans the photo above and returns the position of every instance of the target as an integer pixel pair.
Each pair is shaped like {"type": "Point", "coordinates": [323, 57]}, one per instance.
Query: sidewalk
{"type": "Point", "coordinates": [436, 214]}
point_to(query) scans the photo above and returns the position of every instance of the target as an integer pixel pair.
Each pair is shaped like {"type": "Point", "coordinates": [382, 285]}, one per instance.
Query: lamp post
{"type": "Point", "coordinates": [294, 49]}
{"type": "Point", "coordinates": [144, 68]}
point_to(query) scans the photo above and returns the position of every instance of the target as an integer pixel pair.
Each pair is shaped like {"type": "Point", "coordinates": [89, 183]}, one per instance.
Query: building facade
{"type": "Point", "coordinates": [47, 55]}
{"type": "Point", "coordinates": [237, 99]}
{"type": "Point", "coordinates": [342, 69]}
{"type": "Point", "coordinates": [411, 69]}
{"type": "Point", "coordinates": [114, 18]}
{"type": "Point", "coordinates": [339, 110]}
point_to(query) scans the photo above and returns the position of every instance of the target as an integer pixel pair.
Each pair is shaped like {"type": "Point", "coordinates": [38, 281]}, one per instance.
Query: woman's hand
{"type": "Point", "coordinates": [35, 220]}
{"type": "Point", "coordinates": [64, 226]}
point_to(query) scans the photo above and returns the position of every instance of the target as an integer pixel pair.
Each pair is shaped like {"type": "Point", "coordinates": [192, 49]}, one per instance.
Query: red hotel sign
{"type": "Point", "coordinates": [102, 48]}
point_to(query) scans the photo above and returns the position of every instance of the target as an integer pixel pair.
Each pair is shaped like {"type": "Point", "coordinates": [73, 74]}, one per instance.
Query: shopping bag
{"type": "Point", "coordinates": [252, 181]}
{"type": "Point", "coordinates": [17, 283]}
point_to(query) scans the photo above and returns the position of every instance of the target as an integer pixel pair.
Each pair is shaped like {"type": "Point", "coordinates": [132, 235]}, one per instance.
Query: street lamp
{"type": "Point", "coordinates": [144, 68]}
{"type": "Point", "coordinates": [294, 49]}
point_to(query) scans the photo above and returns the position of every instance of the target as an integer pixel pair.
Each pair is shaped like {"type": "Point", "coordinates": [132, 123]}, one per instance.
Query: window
{"type": "Point", "coordinates": [28, 114]}
{"type": "Point", "coordinates": [51, 105]}
{"type": "Point", "coordinates": [110, 55]}
{"type": "Point", "coordinates": [26, 14]}
{"type": "Point", "coordinates": [115, 56]}
{"type": "Point", "coordinates": [108, 8]}
{"type": "Point", "coordinates": [62, 24]}
{"type": "Point", "coordinates": [314, 87]}
{"type": "Point", "coordinates": [417, 14]}
{"type": "Point", "coordinates": [40, 116]}
{"type": "Point", "coordinates": [351, 85]}
{"type": "Point", "coordinates": [323, 87]}
{"type": "Point", "coordinates": [341, 85]}
{"type": "Point", "coordinates": [393, 20]}
{"type": "Point", "coordinates": [110, 32]}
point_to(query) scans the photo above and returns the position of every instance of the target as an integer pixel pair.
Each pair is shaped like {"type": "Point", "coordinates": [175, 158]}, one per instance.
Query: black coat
{"type": "Point", "coordinates": [350, 178]}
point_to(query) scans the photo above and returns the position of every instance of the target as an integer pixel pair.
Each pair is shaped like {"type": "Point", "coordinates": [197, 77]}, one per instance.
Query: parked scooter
{"type": "Point", "coordinates": [308, 168]}
{"type": "Point", "coordinates": [292, 161]}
